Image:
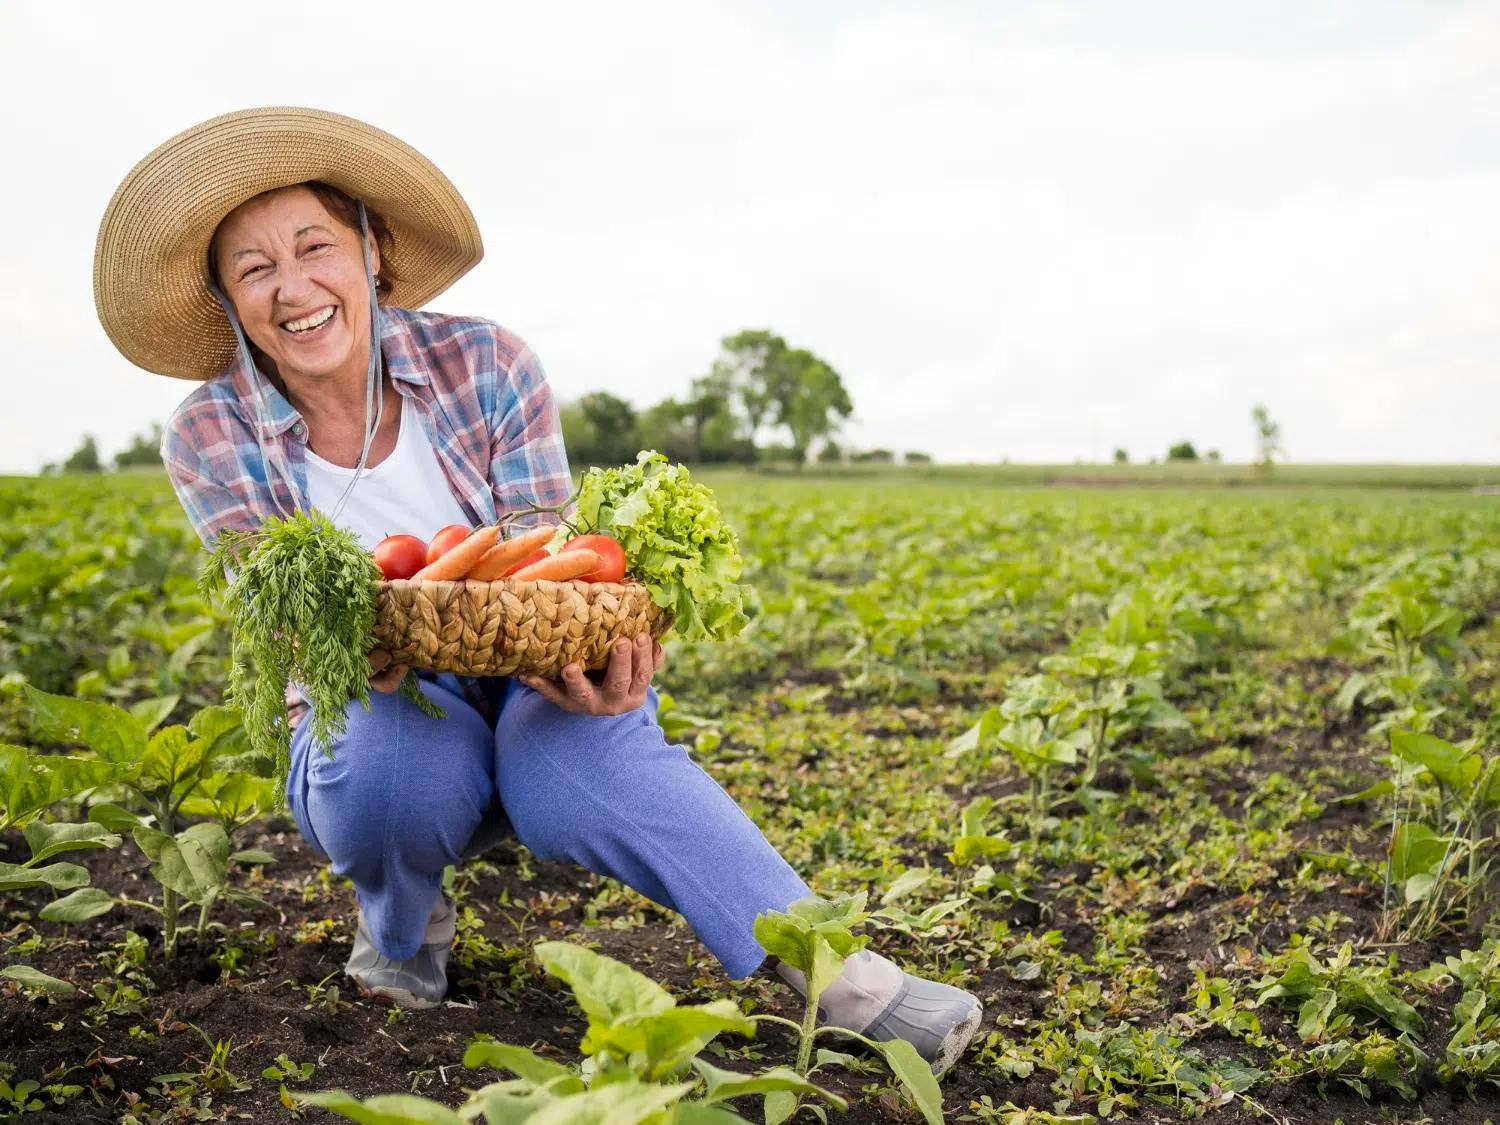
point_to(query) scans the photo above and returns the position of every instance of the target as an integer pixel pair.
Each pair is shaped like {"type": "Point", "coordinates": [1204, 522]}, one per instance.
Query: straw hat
{"type": "Point", "coordinates": [151, 259]}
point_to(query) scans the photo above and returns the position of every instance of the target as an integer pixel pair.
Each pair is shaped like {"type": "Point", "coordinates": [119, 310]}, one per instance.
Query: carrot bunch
{"type": "Point", "coordinates": [483, 556]}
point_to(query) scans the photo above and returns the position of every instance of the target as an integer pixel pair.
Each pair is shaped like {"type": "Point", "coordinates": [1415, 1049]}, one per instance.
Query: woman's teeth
{"type": "Point", "coordinates": [307, 323]}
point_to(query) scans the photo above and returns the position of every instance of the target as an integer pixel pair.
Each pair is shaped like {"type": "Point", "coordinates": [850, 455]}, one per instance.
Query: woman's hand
{"type": "Point", "coordinates": [385, 676]}
{"type": "Point", "coordinates": [622, 688]}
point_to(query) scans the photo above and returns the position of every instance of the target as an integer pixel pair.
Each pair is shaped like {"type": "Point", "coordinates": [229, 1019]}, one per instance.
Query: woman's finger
{"type": "Point", "coordinates": [645, 666]}
{"type": "Point", "coordinates": [549, 691]}
{"type": "Point", "coordinates": [659, 653]}
{"type": "Point", "coordinates": [617, 678]}
{"type": "Point", "coordinates": [578, 688]}
{"type": "Point", "coordinates": [379, 659]}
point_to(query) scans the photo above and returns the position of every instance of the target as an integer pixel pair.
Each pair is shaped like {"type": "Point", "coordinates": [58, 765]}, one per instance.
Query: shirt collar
{"type": "Point", "coordinates": [401, 364]}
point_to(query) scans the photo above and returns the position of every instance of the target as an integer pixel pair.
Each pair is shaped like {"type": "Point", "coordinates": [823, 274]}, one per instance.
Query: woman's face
{"type": "Point", "coordinates": [296, 278]}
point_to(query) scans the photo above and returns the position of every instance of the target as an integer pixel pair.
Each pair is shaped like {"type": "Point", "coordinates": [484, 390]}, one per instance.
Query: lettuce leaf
{"type": "Point", "coordinates": [675, 540]}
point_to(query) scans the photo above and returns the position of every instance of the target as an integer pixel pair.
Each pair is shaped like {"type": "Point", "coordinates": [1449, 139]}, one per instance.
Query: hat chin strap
{"type": "Point", "coordinates": [374, 399]}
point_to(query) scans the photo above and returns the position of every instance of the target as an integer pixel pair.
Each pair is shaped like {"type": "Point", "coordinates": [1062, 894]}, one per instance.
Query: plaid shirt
{"type": "Point", "coordinates": [481, 395]}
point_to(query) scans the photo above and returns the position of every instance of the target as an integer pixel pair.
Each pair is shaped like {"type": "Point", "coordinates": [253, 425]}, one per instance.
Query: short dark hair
{"type": "Point", "coordinates": [345, 209]}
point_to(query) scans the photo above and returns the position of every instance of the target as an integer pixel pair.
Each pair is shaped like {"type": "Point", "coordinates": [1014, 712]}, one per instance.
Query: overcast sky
{"type": "Point", "coordinates": [1024, 230]}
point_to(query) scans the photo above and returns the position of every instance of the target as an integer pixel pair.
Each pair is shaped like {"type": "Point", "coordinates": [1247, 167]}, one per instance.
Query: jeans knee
{"type": "Point", "coordinates": [399, 788]}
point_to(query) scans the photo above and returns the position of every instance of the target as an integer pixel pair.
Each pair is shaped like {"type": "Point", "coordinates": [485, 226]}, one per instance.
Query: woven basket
{"type": "Point", "coordinates": [506, 627]}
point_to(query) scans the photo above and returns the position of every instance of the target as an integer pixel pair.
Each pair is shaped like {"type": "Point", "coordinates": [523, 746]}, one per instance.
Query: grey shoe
{"type": "Point", "coordinates": [874, 997]}
{"type": "Point", "coordinates": [418, 982]}
{"type": "Point", "coordinates": [937, 1019]}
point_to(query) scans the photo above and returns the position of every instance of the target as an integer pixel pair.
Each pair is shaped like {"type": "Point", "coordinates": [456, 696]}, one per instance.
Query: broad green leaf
{"type": "Point", "coordinates": [1416, 850]}
{"type": "Point", "coordinates": [80, 906]}
{"type": "Point", "coordinates": [58, 876]}
{"type": "Point", "coordinates": [35, 978]}
{"type": "Point", "coordinates": [115, 818]}
{"type": "Point", "coordinates": [696, 1113]}
{"type": "Point", "coordinates": [1315, 1012]}
{"type": "Point", "coordinates": [912, 879]}
{"type": "Point", "coordinates": [827, 966]}
{"type": "Point", "coordinates": [153, 712]}
{"type": "Point", "coordinates": [252, 856]}
{"type": "Point", "coordinates": [383, 1109]}
{"type": "Point", "coordinates": [915, 1075]}
{"type": "Point", "coordinates": [50, 839]}
{"type": "Point", "coordinates": [785, 938]}
{"type": "Point", "coordinates": [525, 1063]}
{"type": "Point", "coordinates": [107, 730]}
{"type": "Point", "coordinates": [664, 1041]}
{"type": "Point", "coordinates": [606, 990]}
{"type": "Point", "coordinates": [193, 863]}
{"type": "Point", "coordinates": [779, 1106]}
{"type": "Point", "coordinates": [977, 735]}
{"type": "Point", "coordinates": [1455, 769]}
{"type": "Point", "coordinates": [171, 755]}
{"type": "Point", "coordinates": [723, 1084]}
{"type": "Point", "coordinates": [620, 1102]}
{"type": "Point", "coordinates": [30, 782]}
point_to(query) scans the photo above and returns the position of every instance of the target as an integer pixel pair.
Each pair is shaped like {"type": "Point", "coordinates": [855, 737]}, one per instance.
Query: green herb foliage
{"type": "Point", "coordinates": [303, 597]}
{"type": "Point", "coordinates": [677, 542]}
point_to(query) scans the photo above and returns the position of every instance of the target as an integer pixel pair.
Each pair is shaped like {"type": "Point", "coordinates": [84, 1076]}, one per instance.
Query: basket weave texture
{"type": "Point", "coordinates": [506, 627]}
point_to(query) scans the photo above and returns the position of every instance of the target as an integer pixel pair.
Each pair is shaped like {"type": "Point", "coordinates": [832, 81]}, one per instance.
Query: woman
{"type": "Point", "coordinates": [276, 255]}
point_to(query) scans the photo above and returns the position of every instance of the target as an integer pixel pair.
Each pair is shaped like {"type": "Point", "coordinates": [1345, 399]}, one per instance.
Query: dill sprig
{"type": "Point", "coordinates": [302, 595]}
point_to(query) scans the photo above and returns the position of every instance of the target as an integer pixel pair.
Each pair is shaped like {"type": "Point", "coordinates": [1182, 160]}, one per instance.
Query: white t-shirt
{"type": "Point", "coordinates": [406, 493]}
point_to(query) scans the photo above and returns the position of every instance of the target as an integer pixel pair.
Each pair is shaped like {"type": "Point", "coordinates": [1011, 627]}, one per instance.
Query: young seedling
{"type": "Point", "coordinates": [815, 936]}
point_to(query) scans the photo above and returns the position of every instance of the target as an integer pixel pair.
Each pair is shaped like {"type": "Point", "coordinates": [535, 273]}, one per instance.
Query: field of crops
{"type": "Point", "coordinates": [1197, 790]}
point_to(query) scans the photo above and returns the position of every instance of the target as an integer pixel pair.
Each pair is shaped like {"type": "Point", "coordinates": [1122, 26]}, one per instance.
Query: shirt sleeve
{"type": "Point", "coordinates": [527, 458]}
{"type": "Point", "coordinates": [211, 506]}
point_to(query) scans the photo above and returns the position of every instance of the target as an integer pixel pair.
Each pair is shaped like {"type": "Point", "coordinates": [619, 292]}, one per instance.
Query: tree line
{"type": "Point", "coordinates": [762, 400]}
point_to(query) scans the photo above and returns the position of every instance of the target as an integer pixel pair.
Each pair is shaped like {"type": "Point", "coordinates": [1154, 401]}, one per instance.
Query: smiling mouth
{"type": "Point", "coordinates": [309, 324]}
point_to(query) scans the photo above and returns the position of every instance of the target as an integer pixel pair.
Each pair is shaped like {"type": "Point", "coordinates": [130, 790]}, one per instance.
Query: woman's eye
{"type": "Point", "coordinates": [318, 246]}
{"type": "Point", "coordinates": [251, 270]}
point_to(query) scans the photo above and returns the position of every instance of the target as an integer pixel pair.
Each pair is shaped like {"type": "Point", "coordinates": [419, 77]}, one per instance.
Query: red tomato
{"type": "Point", "coordinates": [445, 540]}
{"type": "Point", "coordinates": [612, 568]}
{"type": "Point", "coordinates": [400, 556]}
{"type": "Point", "coordinates": [536, 556]}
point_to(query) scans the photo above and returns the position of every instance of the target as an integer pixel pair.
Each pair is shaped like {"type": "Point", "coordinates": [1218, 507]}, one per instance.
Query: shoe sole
{"type": "Point", "coordinates": [957, 1041]}
{"type": "Point", "coordinates": [397, 996]}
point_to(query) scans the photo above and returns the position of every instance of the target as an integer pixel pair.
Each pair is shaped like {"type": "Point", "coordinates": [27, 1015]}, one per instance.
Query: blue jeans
{"type": "Point", "coordinates": [404, 795]}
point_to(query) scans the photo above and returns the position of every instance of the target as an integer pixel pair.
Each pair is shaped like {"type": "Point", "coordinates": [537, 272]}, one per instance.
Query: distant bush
{"type": "Point", "coordinates": [917, 458]}
{"type": "Point", "coordinates": [84, 459]}
{"type": "Point", "coordinates": [885, 456]}
{"type": "Point", "coordinates": [1122, 457]}
{"type": "Point", "coordinates": [830, 454]}
{"type": "Point", "coordinates": [144, 450]}
{"type": "Point", "coordinates": [1182, 451]}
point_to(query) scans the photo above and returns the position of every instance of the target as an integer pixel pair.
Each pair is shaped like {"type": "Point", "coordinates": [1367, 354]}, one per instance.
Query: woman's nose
{"type": "Point", "coordinates": [295, 285]}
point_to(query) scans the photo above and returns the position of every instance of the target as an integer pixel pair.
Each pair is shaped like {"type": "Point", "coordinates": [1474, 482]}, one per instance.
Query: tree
{"type": "Point", "coordinates": [144, 450]}
{"type": "Point", "coordinates": [1267, 436]}
{"type": "Point", "coordinates": [916, 457]}
{"type": "Point", "coordinates": [816, 404]}
{"type": "Point", "coordinates": [766, 382]}
{"type": "Point", "coordinates": [830, 454]}
{"type": "Point", "coordinates": [84, 459]}
{"type": "Point", "coordinates": [600, 429]}
{"type": "Point", "coordinates": [1122, 457]}
{"type": "Point", "coordinates": [1182, 451]}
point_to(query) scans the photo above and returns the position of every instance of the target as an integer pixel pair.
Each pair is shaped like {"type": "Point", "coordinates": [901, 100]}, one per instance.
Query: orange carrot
{"type": "Point", "coordinates": [560, 567]}
{"type": "Point", "coordinates": [456, 562]}
{"type": "Point", "coordinates": [502, 556]}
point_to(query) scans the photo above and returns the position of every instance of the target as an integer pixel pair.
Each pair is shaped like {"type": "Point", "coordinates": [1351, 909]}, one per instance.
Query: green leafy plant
{"type": "Point", "coordinates": [302, 597]}
{"type": "Point", "coordinates": [641, 1064]}
{"type": "Point", "coordinates": [165, 773]}
{"type": "Point", "coordinates": [815, 936]}
{"type": "Point", "coordinates": [675, 538]}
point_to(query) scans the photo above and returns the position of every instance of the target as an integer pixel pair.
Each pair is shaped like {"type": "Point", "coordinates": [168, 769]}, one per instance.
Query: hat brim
{"type": "Point", "coordinates": [151, 259]}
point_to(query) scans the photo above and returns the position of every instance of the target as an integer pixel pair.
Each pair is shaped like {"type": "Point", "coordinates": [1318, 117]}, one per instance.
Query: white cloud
{"type": "Point", "coordinates": [1037, 231]}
